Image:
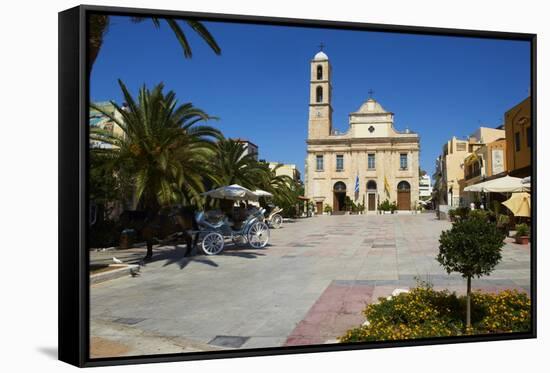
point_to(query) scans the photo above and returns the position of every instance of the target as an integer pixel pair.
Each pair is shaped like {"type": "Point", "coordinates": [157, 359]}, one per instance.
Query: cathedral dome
{"type": "Point", "coordinates": [320, 56]}
{"type": "Point", "coordinates": [371, 106]}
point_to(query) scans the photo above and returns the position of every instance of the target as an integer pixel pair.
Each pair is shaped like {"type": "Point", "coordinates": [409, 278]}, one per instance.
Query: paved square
{"type": "Point", "coordinates": [308, 286]}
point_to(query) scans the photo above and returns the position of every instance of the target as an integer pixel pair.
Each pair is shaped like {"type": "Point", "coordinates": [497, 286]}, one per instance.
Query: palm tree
{"type": "Point", "coordinates": [99, 25]}
{"type": "Point", "coordinates": [231, 165]}
{"type": "Point", "coordinates": [285, 189]}
{"type": "Point", "coordinates": [161, 146]}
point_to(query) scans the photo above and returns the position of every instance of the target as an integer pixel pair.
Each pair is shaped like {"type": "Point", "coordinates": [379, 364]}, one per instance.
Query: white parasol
{"type": "Point", "coordinates": [506, 184]}
{"type": "Point", "coordinates": [233, 192]}
{"type": "Point", "coordinates": [262, 193]}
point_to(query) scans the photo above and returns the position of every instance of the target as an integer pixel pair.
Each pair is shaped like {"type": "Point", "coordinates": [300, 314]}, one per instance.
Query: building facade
{"type": "Point", "coordinates": [519, 139]}
{"type": "Point", "coordinates": [249, 147]}
{"type": "Point", "coordinates": [99, 120]}
{"type": "Point", "coordinates": [466, 162]}
{"type": "Point", "coordinates": [425, 187]}
{"type": "Point", "coordinates": [370, 163]}
{"type": "Point", "coordinates": [286, 169]}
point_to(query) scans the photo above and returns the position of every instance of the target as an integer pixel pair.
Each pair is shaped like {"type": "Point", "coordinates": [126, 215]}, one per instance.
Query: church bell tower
{"type": "Point", "coordinates": [320, 109]}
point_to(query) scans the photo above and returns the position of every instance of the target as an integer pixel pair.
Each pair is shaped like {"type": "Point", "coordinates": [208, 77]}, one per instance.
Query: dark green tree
{"type": "Point", "coordinates": [471, 247]}
{"type": "Point", "coordinates": [162, 146]}
{"type": "Point", "coordinates": [99, 25]}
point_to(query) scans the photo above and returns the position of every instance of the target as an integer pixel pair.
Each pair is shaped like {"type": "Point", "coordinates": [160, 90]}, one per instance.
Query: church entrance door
{"type": "Point", "coordinates": [319, 207]}
{"type": "Point", "coordinates": [403, 196]}
{"type": "Point", "coordinates": [339, 192]}
{"type": "Point", "coordinates": [372, 201]}
{"type": "Point", "coordinates": [371, 196]}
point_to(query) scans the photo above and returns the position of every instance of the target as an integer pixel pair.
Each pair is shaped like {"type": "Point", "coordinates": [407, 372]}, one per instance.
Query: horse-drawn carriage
{"type": "Point", "coordinates": [274, 217]}
{"type": "Point", "coordinates": [252, 230]}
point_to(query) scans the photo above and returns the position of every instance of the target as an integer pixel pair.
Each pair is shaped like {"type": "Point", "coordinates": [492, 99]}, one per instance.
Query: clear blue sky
{"type": "Point", "coordinates": [259, 87]}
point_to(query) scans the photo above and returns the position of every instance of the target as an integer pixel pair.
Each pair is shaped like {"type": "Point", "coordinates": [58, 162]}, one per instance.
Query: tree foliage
{"type": "Point", "coordinates": [99, 26]}
{"type": "Point", "coordinates": [471, 247]}
{"type": "Point", "coordinates": [161, 146]}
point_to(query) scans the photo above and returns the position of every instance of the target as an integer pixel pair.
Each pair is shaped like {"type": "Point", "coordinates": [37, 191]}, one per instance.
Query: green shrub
{"type": "Point", "coordinates": [328, 209]}
{"type": "Point", "coordinates": [424, 313]}
{"type": "Point", "coordinates": [385, 206]}
{"type": "Point", "coordinates": [505, 312]}
{"type": "Point", "coordinates": [462, 212]}
{"type": "Point", "coordinates": [482, 214]}
{"type": "Point", "coordinates": [452, 214]}
{"type": "Point", "coordinates": [522, 230]}
{"type": "Point", "coordinates": [503, 220]}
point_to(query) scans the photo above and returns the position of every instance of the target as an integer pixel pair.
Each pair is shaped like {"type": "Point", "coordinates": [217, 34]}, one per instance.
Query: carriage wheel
{"type": "Point", "coordinates": [212, 243]}
{"type": "Point", "coordinates": [258, 235]}
{"type": "Point", "coordinates": [276, 221]}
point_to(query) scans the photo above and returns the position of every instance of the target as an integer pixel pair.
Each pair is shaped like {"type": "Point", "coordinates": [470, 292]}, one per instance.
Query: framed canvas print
{"type": "Point", "coordinates": [235, 186]}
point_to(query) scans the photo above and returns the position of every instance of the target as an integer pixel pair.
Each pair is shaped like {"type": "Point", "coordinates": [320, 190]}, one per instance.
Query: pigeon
{"type": "Point", "coordinates": [117, 261]}
{"type": "Point", "coordinates": [134, 272]}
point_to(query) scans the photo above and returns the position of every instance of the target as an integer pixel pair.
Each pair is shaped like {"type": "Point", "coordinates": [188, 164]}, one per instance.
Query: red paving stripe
{"type": "Point", "coordinates": [338, 309]}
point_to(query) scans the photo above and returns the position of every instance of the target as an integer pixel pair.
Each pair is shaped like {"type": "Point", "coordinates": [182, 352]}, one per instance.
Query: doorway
{"type": "Point", "coordinates": [319, 208]}
{"type": "Point", "coordinates": [339, 192]}
{"type": "Point", "coordinates": [403, 196]}
{"type": "Point", "coordinates": [371, 195]}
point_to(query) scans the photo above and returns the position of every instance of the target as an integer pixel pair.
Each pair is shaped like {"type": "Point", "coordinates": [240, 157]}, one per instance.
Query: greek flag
{"type": "Point", "coordinates": [357, 184]}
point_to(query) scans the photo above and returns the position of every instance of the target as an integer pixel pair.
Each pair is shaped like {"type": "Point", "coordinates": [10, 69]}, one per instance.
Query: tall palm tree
{"type": "Point", "coordinates": [99, 25]}
{"type": "Point", "coordinates": [231, 165]}
{"type": "Point", "coordinates": [161, 145]}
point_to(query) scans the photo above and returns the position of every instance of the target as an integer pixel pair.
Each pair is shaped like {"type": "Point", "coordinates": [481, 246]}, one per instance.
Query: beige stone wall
{"type": "Point", "coordinates": [487, 135]}
{"type": "Point", "coordinates": [319, 184]}
{"type": "Point", "coordinates": [286, 169]}
{"type": "Point", "coordinates": [320, 113]}
{"type": "Point", "coordinates": [518, 120]}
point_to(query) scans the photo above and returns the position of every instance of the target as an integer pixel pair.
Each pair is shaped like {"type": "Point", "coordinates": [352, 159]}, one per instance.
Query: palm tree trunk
{"type": "Point", "coordinates": [468, 302]}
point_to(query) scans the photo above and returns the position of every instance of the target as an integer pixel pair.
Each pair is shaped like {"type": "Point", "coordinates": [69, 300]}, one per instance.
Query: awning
{"type": "Point", "coordinates": [471, 158]}
{"type": "Point", "coordinates": [505, 184]}
{"type": "Point", "coordinates": [519, 204]}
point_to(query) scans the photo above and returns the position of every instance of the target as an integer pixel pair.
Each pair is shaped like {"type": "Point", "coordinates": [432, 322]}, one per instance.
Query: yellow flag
{"type": "Point", "coordinates": [386, 185]}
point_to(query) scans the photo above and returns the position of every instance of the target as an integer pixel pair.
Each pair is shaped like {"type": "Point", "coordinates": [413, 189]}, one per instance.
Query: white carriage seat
{"type": "Point", "coordinates": [200, 217]}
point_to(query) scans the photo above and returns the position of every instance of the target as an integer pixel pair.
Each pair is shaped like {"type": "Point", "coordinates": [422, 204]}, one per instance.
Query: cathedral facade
{"type": "Point", "coordinates": [370, 163]}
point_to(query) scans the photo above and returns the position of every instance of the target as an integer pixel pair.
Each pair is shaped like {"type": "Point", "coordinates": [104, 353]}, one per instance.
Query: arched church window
{"type": "Point", "coordinates": [371, 185]}
{"type": "Point", "coordinates": [404, 186]}
{"type": "Point", "coordinates": [319, 94]}
{"type": "Point", "coordinates": [339, 186]}
{"type": "Point", "coordinates": [319, 72]}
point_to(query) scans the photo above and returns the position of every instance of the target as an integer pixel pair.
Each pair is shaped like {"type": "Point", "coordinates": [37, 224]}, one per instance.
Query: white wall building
{"type": "Point", "coordinates": [425, 187]}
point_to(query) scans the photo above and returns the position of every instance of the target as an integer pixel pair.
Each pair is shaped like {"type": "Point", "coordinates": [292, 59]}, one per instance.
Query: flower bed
{"type": "Point", "coordinates": [424, 313]}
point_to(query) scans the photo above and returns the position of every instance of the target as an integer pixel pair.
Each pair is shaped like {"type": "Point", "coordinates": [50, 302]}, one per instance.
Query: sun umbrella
{"type": "Point", "coordinates": [519, 204]}
{"type": "Point", "coordinates": [506, 184]}
{"type": "Point", "coordinates": [262, 193]}
{"type": "Point", "coordinates": [232, 192]}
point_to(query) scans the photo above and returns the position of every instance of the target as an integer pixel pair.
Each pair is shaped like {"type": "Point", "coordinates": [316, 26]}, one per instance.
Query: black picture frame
{"type": "Point", "coordinates": [73, 203]}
